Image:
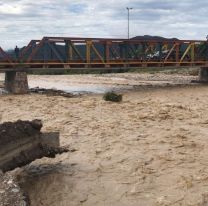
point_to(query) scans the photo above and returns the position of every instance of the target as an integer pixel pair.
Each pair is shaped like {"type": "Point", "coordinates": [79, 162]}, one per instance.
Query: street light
{"type": "Point", "coordinates": [128, 9]}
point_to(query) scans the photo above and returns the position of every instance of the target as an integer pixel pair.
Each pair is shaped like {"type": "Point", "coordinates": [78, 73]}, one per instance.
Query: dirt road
{"type": "Point", "coordinates": [151, 149]}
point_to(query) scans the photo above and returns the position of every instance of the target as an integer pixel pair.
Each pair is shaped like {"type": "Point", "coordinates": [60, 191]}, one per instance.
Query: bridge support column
{"type": "Point", "coordinates": [203, 74]}
{"type": "Point", "coordinates": [16, 82]}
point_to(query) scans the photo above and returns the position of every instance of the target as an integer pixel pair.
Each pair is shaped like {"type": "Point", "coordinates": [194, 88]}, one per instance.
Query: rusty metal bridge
{"type": "Point", "coordinates": [66, 53]}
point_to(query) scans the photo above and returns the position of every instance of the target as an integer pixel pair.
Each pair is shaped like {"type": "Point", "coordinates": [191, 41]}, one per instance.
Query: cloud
{"type": "Point", "coordinates": [23, 20]}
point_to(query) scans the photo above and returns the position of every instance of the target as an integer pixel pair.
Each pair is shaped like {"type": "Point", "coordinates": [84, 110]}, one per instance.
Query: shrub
{"type": "Point", "coordinates": [112, 96]}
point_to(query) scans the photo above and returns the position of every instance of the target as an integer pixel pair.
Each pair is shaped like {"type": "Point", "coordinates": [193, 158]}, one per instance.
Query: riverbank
{"type": "Point", "coordinates": [150, 149]}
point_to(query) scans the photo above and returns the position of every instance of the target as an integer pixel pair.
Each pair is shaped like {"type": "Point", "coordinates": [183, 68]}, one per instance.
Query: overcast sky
{"type": "Point", "coordinates": [23, 20]}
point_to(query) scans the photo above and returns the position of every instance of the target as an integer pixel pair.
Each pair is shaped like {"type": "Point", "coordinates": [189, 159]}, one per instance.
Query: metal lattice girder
{"type": "Point", "coordinates": [99, 52]}
{"type": "Point", "coordinates": [55, 51]}
{"type": "Point", "coordinates": [4, 57]}
{"type": "Point", "coordinates": [33, 53]}
{"type": "Point", "coordinates": [186, 52]}
{"type": "Point", "coordinates": [170, 52]}
{"type": "Point", "coordinates": [74, 50]}
{"type": "Point", "coordinates": [28, 49]}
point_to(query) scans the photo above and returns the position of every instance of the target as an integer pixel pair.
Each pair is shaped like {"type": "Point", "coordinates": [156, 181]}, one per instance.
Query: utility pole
{"type": "Point", "coordinates": [128, 9]}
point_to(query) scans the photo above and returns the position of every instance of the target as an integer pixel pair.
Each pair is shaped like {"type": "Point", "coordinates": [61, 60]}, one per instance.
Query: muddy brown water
{"type": "Point", "coordinates": [150, 149]}
{"type": "Point", "coordinates": [78, 88]}
{"type": "Point", "coordinates": [42, 184]}
{"type": "Point", "coordinates": [102, 83]}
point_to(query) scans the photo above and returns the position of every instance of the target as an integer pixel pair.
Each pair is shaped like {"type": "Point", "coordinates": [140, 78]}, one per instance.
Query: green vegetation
{"type": "Point", "coordinates": [112, 97]}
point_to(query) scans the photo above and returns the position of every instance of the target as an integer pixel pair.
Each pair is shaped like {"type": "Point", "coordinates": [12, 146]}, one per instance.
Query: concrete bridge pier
{"type": "Point", "coordinates": [203, 74]}
{"type": "Point", "coordinates": [16, 82]}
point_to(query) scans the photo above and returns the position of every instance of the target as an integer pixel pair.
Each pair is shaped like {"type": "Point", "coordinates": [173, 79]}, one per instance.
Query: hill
{"type": "Point", "coordinates": [148, 37]}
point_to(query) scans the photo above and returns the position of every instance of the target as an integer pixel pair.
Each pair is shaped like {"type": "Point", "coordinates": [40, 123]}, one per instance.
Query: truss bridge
{"type": "Point", "coordinates": [63, 52]}
{"type": "Point", "coordinates": [83, 53]}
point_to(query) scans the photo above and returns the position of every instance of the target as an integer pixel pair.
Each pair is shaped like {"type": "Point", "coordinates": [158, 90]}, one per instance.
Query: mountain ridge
{"type": "Point", "coordinates": [148, 37]}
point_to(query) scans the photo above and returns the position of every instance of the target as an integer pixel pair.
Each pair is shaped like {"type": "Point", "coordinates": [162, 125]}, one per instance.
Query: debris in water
{"type": "Point", "coordinates": [52, 92]}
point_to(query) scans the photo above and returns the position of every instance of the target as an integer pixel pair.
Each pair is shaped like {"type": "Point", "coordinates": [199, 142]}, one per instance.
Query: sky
{"type": "Point", "coordinates": [23, 20]}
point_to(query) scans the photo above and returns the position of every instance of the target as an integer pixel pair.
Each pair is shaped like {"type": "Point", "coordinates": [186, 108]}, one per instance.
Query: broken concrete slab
{"type": "Point", "coordinates": [22, 142]}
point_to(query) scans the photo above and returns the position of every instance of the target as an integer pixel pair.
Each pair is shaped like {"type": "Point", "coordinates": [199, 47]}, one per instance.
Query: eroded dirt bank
{"type": "Point", "coordinates": [151, 149]}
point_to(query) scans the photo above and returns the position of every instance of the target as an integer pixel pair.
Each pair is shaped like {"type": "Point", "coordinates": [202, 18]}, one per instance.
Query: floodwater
{"type": "Point", "coordinates": [149, 150]}
{"type": "Point", "coordinates": [79, 84]}
{"type": "Point", "coordinates": [38, 179]}
{"type": "Point", "coordinates": [76, 84]}
{"type": "Point", "coordinates": [77, 88]}
{"type": "Point", "coordinates": [2, 91]}
{"type": "Point", "coordinates": [99, 84]}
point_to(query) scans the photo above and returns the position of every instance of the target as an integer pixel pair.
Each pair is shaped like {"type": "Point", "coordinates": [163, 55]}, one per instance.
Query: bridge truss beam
{"type": "Point", "coordinates": [64, 52]}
